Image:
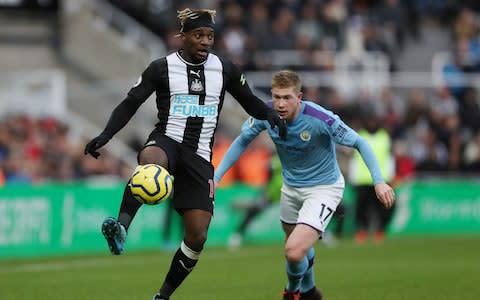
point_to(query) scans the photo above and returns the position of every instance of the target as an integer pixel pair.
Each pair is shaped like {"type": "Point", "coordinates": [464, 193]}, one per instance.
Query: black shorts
{"type": "Point", "coordinates": [193, 186]}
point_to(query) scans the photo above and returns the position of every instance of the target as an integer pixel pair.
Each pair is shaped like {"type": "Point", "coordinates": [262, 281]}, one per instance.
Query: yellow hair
{"type": "Point", "coordinates": [187, 13]}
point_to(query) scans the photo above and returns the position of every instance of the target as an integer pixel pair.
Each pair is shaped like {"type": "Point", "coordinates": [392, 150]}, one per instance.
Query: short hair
{"type": "Point", "coordinates": [285, 79]}
{"type": "Point", "coordinates": [191, 19]}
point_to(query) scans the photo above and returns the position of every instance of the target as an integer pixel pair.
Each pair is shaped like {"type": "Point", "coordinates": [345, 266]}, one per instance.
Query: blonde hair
{"type": "Point", "coordinates": [285, 79]}
{"type": "Point", "coordinates": [187, 13]}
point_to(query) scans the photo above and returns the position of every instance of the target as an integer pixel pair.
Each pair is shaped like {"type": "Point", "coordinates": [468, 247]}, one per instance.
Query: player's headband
{"type": "Point", "coordinates": [203, 20]}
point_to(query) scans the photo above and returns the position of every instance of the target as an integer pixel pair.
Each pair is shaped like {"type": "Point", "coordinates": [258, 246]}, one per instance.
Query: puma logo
{"type": "Point", "coordinates": [152, 142]}
{"type": "Point", "coordinates": [197, 73]}
{"type": "Point", "coordinates": [185, 267]}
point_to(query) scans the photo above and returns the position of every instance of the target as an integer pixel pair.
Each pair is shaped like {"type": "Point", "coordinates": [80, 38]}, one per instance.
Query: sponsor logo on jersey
{"type": "Point", "coordinates": [251, 122]}
{"type": "Point", "coordinates": [149, 143]}
{"type": "Point", "coordinates": [188, 106]}
{"type": "Point", "coordinates": [340, 132]}
{"type": "Point", "coordinates": [197, 73]}
{"type": "Point", "coordinates": [305, 135]}
{"type": "Point", "coordinates": [139, 80]}
{"type": "Point", "coordinates": [243, 79]}
{"type": "Point", "coordinates": [196, 85]}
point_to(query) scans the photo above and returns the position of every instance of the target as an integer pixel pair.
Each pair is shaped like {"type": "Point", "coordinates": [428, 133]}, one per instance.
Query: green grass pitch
{"type": "Point", "coordinates": [441, 267]}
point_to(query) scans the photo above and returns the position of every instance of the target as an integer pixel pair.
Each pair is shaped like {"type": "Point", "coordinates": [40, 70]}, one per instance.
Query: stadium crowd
{"type": "Point", "coordinates": [439, 128]}
{"type": "Point", "coordinates": [38, 150]}
{"type": "Point", "coordinates": [433, 130]}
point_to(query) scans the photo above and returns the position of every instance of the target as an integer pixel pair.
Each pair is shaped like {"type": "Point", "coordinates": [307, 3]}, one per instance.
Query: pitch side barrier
{"type": "Point", "coordinates": [54, 219]}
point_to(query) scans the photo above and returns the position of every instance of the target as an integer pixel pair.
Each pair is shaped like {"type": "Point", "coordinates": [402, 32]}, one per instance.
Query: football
{"type": "Point", "coordinates": [151, 184]}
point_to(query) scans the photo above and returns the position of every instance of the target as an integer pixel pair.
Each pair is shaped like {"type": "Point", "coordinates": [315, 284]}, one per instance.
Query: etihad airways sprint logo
{"type": "Point", "coordinates": [188, 106]}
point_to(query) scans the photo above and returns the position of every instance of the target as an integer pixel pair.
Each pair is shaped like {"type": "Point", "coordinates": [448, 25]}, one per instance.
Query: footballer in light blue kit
{"type": "Point", "coordinates": [312, 182]}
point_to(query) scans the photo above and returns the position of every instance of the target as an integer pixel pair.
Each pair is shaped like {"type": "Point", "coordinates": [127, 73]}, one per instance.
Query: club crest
{"type": "Point", "coordinates": [305, 135]}
{"type": "Point", "coordinates": [196, 85]}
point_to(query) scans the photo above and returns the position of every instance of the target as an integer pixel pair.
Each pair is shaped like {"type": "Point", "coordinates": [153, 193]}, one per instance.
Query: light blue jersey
{"type": "Point", "coordinates": [308, 154]}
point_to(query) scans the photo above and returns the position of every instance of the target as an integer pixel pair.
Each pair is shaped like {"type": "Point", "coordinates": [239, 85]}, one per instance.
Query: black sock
{"type": "Point", "coordinates": [128, 208]}
{"type": "Point", "coordinates": [180, 267]}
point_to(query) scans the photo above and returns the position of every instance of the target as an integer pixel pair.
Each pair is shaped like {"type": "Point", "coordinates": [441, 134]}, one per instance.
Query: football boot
{"type": "Point", "coordinates": [312, 294]}
{"type": "Point", "coordinates": [115, 235]}
{"type": "Point", "coordinates": [287, 295]}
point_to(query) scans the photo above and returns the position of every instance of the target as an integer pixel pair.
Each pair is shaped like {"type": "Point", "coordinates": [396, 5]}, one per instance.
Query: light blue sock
{"type": "Point", "coordinates": [295, 273]}
{"type": "Point", "coordinates": [308, 280]}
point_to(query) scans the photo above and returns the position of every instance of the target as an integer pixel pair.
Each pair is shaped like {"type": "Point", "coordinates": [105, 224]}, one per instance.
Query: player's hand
{"type": "Point", "coordinates": [274, 120]}
{"type": "Point", "coordinates": [385, 194]}
{"type": "Point", "coordinates": [95, 144]}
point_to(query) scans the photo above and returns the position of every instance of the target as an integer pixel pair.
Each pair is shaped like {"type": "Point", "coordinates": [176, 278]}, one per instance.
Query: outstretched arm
{"type": "Point", "coordinates": [118, 119]}
{"type": "Point", "coordinates": [124, 111]}
{"type": "Point", "coordinates": [233, 153]}
{"type": "Point", "coordinates": [250, 130]}
{"type": "Point", "coordinates": [384, 192]}
{"type": "Point", "coordinates": [344, 135]}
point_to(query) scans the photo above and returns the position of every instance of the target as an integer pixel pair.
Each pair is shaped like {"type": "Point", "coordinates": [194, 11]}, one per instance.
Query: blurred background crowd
{"type": "Point", "coordinates": [42, 150]}
{"type": "Point", "coordinates": [433, 129]}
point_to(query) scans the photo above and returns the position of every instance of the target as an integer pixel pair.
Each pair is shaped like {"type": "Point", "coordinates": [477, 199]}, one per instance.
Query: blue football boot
{"type": "Point", "coordinates": [115, 235]}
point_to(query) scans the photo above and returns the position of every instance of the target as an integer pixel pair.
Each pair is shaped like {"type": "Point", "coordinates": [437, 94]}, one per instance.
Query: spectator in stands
{"type": "Point", "coordinates": [404, 163]}
{"type": "Point", "coordinates": [466, 26]}
{"type": "Point", "coordinates": [429, 153]}
{"type": "Point", "coordinates": [469, 110]}
{"type": "Point", "coordinates": [259, 31]}
{"type": "Point", "coordinates": [373, 41]}
{"type": "Point", "coordinates": [472, 153]}
{"type": "Point", "coordinates": [333, 15]}
{"type": "Point", "coordinates": [4, 151]}
{"type": "Point", "coordinates": [369, 213]}
{"type": "Point", "coordinates": [233, 37]}
{"type": "Point", "coordinates": [417, 108]}
{"type": "Point", "coordinates": [282, 36]}
{"type": "Point", "coordinates": [17, 171]}
{"type": "Point", "coordinates": [393, 111]}
{"type": "Point", "coordinates": [2, 177]}
{"type": "Point", "coordinates": [392, 19]}
{"type": "Point", "coordinates": [444, 104]}
{"type": "Point", "coordinates": [308, 24]}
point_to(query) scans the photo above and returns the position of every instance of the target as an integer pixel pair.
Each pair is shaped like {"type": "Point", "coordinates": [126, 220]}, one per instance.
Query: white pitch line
{"type": "Point", "coordinates": [87, 263]}
{"type": "Point", "coordinates": [74, 264]}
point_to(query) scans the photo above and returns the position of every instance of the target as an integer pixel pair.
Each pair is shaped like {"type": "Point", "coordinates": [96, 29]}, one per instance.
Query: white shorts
{"type": "Point", "coordinates": [313, 206]}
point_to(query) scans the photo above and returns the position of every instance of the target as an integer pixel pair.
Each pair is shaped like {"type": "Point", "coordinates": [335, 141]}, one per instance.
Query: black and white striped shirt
{"type": "Point", "coordinates": [189, 99]}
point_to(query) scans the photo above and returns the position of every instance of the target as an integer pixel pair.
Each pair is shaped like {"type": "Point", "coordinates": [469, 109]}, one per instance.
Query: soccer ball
{"type": "Point", "coordinates": [151, 184]}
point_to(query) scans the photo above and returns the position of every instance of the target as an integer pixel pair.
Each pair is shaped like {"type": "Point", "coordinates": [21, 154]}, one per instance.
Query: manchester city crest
{"type": "Point", "coordinates": [305, 135]}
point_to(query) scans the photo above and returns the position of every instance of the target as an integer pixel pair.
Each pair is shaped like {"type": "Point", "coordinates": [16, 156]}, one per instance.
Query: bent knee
{"type": "Point", "coordinates": [196, 240]}
{"type": "Point", "coordinates": [294, 254]}
{"type": "Point", "coordinates": [153, 155]}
